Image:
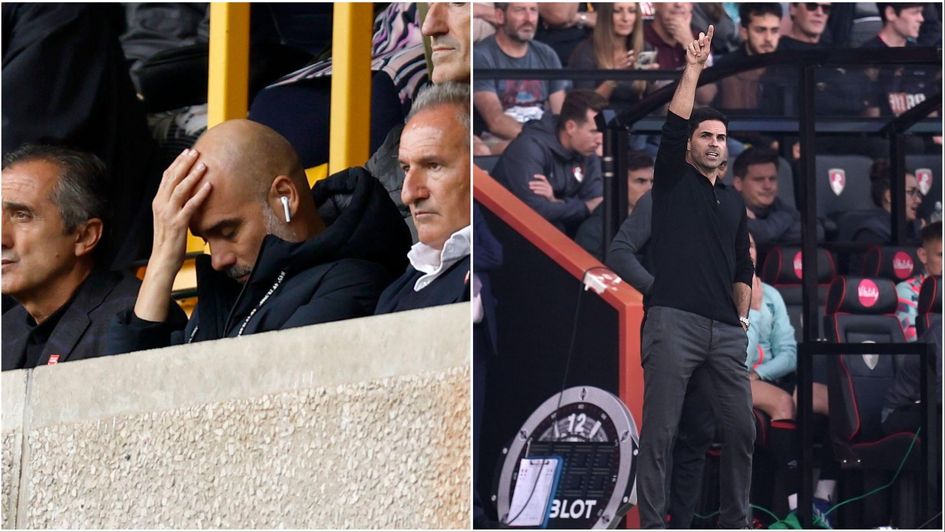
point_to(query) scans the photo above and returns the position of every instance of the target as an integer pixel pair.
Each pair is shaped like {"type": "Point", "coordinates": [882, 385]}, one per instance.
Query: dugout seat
{"type": "Point", "coordinates": [843, 184]}
{"type": "Point", "coordinates": [782, 269]}
{"type": "Point", "coordinates": [927, 170]}
{"type": "Point", "coordinates": [860, 310]}
{"type": "Point", "coordinates": [930, 306]}
{"type": "Point", "coordinates": [896, 263]}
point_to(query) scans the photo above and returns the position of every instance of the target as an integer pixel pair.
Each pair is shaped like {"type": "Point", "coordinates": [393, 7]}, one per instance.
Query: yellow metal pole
{"type": "Point", "coordinates": [350, 86]}
{"type": "Point", "coordinates": [228, 81]}
{"type": "Point", "coordinates": [228, 85]}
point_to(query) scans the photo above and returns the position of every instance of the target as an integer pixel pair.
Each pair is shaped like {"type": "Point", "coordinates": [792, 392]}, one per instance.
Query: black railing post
{"type": "Point", "coordinates": [897, 187]}
{"type": "Point", "coordinates": [611, 187]}
{"type": "Point", "coordinates": [809, 299]}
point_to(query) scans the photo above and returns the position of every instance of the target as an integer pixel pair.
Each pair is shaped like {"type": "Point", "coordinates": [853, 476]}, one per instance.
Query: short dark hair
{"type": "Point", "coordinates": [501, 5]}
{"type": "Point", "coordinates": [931, 233]}
{"type": "Point", "coordinates": [746, 11]}
{"type": "Point", "coordinates": [753, 155]}
{"type": "Point", "coordinates": [897, 8]}
{"type": "Point", "coordinates": [879, 180]}
{"type": "Point", "coordinates": [80, 192]}
{"type": "Point", "coordinates": [702, 114]}
{"type": "Point", "coordinates": [576, 105]}
{"type": "Point", "coordinates": [638, 159]}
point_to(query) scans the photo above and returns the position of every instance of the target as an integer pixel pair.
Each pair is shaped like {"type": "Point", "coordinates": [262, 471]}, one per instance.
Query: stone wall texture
{"type": "Point", "coordinates": [356, 424]}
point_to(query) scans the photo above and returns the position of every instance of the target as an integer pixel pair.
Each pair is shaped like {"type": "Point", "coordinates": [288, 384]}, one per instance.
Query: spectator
{"type": "Point", "coordinates": [590, 235]}
{"type": "Point", "coordinates": [808, 22]}
{"type": "Point", "coordinates": [759, 29]}
{"type": "Point", "coordinates": [930, 255]}
{"type": "Point", "coordinates": [902, 407]}
{"type": "Point", "coordinates": [273, 263]}
{"type": "Point", "coordinates": [434, 153]}
{"type": "Point", "coordinates": [564, 25]}
{"type": "Point", "coordinates": [54, 219]}
{"type": "Point", "coordinates": [900, 89]}
{"type": "Point", "coordinates": [553, 167]}
{"type": "Point", "coordinates": [65, 81]}
{"type": "Point", "coordinates": [876, 228]}
{"type": "Point", "coordinates": [770, 219]}
{"type": "Point", "coordinates": [447, 24]}
{"type": "Point", "coordinates": [615, 44]}
{"type": "Point", "coordinates": [669, 33]}
{"type": "Point", "coordinates": [505, 105]}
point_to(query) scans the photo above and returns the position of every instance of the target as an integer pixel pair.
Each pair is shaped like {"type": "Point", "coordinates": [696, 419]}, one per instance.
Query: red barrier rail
{"type": "Point", "coordinates": [575, 260]}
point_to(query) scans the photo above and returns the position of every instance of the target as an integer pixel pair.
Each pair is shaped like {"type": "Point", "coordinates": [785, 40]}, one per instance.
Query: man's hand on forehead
{"type": "Point", "coordinates": [180, 194]}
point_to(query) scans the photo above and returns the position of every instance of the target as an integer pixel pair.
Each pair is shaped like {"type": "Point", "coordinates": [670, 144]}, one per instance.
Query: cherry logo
{"type": "Point", "coordinates": [902, 265]}
{"type": "Point", "coordinates": [838, 180]}
{"type": "Point", "coordinates": [867, 292]}
{"type": "Point", "coordinates": [923, 177]}
{"type": "Point", "coordinates": [799, 265]}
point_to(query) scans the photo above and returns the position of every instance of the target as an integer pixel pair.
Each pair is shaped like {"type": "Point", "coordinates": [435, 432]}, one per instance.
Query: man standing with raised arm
{"type": "Point", "coordinates": [696, 312]}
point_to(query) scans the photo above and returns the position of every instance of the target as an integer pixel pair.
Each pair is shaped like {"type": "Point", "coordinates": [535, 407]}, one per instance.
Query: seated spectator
{"type": "Point", "coordinates": [54, 221]}
{"type": "Point", "coordinates": [615, 44]}
{"type": "Point", "coordinates": [900, 88]}
{"type": "Point", "coordinates": [772, 355]}
{"type": "Point", "coordinates": [669, 33]}
{"type": "Point", "coordinates": [447, 25]}
{"type": "Point", "coordinates": [590, 235]}
{"type": "Point", "coordinates": [65, 81]}
{"type": "Point", "coordinates": [434, 153]}
{"type": "Point", "coordinates": [553, 165]}
{"type": "Point", "coordinates": [273, 263]}
{"type": "Point", "coordinates": [807, 26]}
{"type": "Point", "coordinates": [754, 91]}
{"type": "Point", "coordinates": [930, 255]}
{"type": "Point", "coordinates": [770, 219]}
{"type": "Point", "coordinates": [505, 105]}
{"type": "Point", "coordinates": [876, 228]}
{"type": "Point", "coordinates": [902, 406]}
{"type": "Point", "coordinates": [564, 25]}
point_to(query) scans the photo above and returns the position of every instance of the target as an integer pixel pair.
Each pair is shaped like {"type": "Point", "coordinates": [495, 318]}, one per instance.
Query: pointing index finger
{"type": "Point", "coordinates": [711, 33]}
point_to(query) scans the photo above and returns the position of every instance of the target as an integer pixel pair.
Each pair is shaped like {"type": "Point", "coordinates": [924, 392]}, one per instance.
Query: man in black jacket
{"type": "Point", "coordinates": [273, 263]}
{"type": "Point", "coordinates": [697, 308]}
{"type": "Point", "coordinates": [54, 216]}
{"type": "Point", "coordinates": [434, 153]}
{"type": "Point", "coordinates": [552, 165]}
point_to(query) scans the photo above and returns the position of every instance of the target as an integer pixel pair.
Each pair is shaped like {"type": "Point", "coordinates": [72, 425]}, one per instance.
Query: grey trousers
{"type": "Point", "coordinates": [676, 344]}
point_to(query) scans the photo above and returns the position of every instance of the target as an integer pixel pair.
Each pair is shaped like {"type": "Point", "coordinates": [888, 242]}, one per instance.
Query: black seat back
{"type": "Point", "coordinates": [782, 269]}
{"type": "Point", "coordinates": [860, 310]}
{"type": "Point", "coordinates": [896, 263]}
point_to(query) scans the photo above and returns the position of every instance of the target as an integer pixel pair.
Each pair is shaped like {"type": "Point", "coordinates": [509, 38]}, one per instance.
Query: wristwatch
{"type": "Point", "coordinates": [745, 322]}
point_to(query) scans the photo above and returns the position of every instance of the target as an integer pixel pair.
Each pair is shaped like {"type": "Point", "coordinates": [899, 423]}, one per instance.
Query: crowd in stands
{"type": "Point", "coordinates": [393, 235]}
{"type": "Point", "coordinates": [546, 153]}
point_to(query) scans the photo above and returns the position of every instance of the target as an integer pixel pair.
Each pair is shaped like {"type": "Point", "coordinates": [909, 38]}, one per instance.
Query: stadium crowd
{"type": "Point", "coordinates": [543, 140]}
{"type": "Point", "coordinates": [116, 157]}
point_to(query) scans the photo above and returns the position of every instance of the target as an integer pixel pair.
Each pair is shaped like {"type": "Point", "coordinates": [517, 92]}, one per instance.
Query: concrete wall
{"type": "Point", "coordinates": [355, 424]}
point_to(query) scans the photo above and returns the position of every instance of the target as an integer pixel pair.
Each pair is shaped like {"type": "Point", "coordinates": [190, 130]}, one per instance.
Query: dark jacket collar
{"type": "Point", "coordinates": [74, 321]}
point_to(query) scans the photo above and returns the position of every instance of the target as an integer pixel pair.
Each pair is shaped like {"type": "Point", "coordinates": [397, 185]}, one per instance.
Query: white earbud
{"type": "Point", "coordinates": [285, 208]}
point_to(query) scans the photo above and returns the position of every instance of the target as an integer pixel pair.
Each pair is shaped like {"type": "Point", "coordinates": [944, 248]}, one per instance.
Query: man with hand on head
{"type": "Point", "coordinates": [273, 263]}
{"type": "Point", "coordinates": [697, 308]}
{"type": "Point", "coordinates": [54, 219]}
{"type": "Point", "coordinates": [434, 154]}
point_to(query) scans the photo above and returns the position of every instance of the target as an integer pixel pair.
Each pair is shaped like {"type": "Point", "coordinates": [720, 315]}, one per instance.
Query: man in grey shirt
{"type": "Point", "coordinates": [505, 105]}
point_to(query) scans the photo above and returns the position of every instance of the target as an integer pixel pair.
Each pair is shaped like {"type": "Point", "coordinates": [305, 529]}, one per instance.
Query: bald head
{"type": "Point", "coordinates": [251, 153]}
{"type": "Point", "coordinates": [258, 188]}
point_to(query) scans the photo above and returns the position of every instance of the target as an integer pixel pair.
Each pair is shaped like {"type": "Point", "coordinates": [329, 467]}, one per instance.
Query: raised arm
{"type": "Point", "coordinates": [178, 197]}
{"type": "Point", "coordinates": [696, 55]}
